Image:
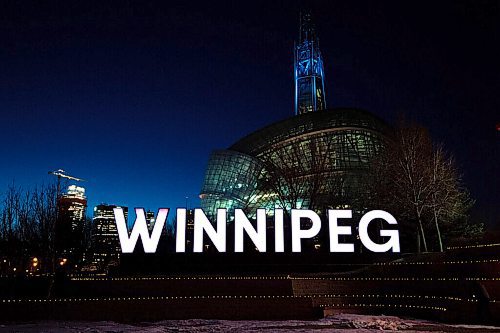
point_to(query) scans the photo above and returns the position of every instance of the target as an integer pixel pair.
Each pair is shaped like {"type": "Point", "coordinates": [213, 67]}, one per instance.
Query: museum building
{"type": "Point", "coordinates": [316, 159]}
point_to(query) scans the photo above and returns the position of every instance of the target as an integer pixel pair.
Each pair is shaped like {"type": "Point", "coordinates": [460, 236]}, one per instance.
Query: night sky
{"type": "Point", "coordinates": [133, 96]}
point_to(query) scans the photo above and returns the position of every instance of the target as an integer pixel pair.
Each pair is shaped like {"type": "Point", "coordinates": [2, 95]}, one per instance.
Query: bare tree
{"type": "Point", "coordinates": [301, 174]}
{"type": "Point", "coordinates": [45, 211]}
{"type": "Point", "coordinates": [450, 199]}
{"type": "Point", "coordinates": [26, 224]}
{"type": "Point", "coordinates": [419, 182]}
{"type": "Point", "coordinates": [9, 220]}
{"type": "Point", "coordinates": [410, 174]}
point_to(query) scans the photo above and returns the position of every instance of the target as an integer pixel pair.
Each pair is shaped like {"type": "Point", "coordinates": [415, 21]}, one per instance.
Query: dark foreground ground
{"type": "Point", "coordinates": [339, 324]}
{"type": "Point", "coordinates": [460, 286]}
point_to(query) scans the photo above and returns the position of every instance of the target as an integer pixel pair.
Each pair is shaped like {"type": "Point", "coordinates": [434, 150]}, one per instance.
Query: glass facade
{"type": "Point", "coordinates": [316, 160]}
{"type": "Point", "coordinates": [105, 239]}
{"type": "Point", "coordinates": [230, 180]}
{"type": "Point", "coordinates": [72, 205]}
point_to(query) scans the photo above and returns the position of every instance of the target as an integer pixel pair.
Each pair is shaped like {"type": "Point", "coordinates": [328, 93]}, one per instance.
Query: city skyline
{"type": "Point", "coordinates": [134, 99]}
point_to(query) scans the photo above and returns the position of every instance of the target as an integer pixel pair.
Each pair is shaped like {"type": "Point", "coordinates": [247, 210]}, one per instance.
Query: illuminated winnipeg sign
{"type": "Point", "coordinates": [242, 225]}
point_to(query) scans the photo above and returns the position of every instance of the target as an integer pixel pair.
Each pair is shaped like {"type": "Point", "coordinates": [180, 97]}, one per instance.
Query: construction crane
{"type": "Point", "coordinates": [60, 173]}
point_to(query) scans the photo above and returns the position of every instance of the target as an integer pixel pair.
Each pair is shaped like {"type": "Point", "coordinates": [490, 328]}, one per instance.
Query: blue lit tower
{"type": "Point", "coordinates": [309, 73]}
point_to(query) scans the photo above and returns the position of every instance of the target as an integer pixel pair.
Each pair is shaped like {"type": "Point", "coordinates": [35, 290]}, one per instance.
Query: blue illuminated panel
{"type": "Point", "coordinates": [309, 71]}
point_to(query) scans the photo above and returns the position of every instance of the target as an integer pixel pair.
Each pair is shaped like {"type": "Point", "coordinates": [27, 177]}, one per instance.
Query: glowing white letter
{"type": "Point", "coordinates": [140, 229]}
{"type": "Point", "coordinates": [392, 243]}
{"type": "Point", "coordinates": [297, 233]}
{"type": "Point", "coordinates": [201, 223]}
{"type": "Point", "coordinates": [336, 230]}
{"type": "Point", "coordinates": [279, 243]}
{"type": "Point", "coordinates": [258, 236]}
{"type": "Point", "coordinates": [180, 231]}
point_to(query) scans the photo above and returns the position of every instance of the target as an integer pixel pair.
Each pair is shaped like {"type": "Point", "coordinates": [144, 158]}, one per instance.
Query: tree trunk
{"type": "Point", "coordinates": [422, 233]}
{"type": "Point", "coordinates": [418, 240]}
{"type": "Point", "coordinates": [438, 231]}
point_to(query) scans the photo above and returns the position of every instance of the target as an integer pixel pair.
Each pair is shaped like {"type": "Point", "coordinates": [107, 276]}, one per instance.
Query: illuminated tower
{"type": "Point", "coordinates": [72, 206]}
{"type": "Point", "coordinates": [309, 73]}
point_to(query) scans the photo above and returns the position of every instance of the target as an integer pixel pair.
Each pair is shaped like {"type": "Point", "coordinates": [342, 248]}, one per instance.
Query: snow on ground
{"type": "Point", "coordinates": [338, 324]}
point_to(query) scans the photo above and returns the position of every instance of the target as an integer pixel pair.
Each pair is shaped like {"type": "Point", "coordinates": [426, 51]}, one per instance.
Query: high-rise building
{"type": "Point", "coordinates": [309, 71]}
{"type": "Point", "coordinates": [72, 206]}
{"type": "Point", "coordinates": [150, 220]}
{"type": "Point", "coordinates": [105, 240]}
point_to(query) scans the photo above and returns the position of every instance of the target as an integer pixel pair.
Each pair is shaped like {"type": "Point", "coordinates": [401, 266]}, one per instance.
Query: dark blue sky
{"type": "Point", "coordinates": [134, 96]}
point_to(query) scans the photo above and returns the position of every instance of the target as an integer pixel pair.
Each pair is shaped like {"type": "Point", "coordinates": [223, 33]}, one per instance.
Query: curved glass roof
{"type": "Point", "coordinates": [259, 140]}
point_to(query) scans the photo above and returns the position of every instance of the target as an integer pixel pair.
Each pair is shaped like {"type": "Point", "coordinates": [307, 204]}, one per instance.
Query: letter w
{"type": "Point", "coordinates": [140, 229]}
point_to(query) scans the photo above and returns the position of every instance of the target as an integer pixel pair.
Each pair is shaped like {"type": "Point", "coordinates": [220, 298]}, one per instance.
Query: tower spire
{"type": "Point", "coordinates": [309, 72]}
